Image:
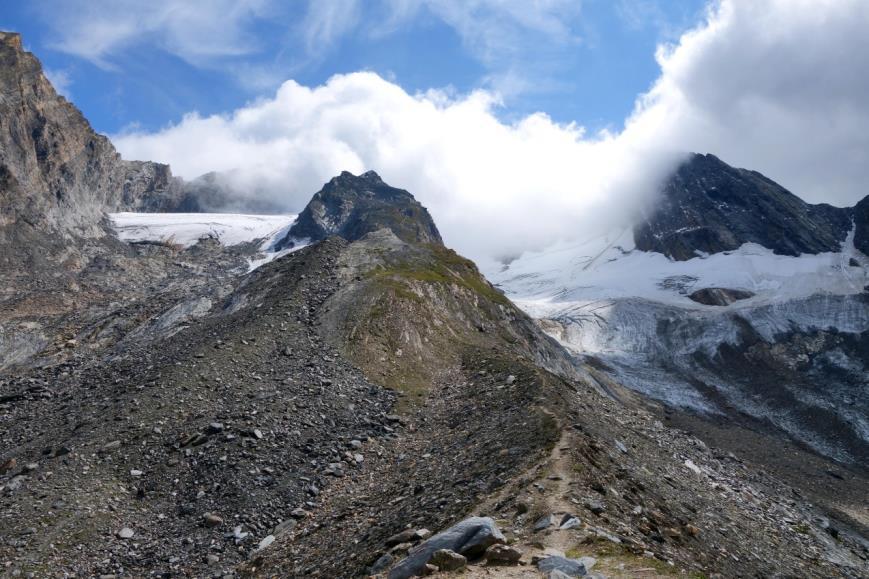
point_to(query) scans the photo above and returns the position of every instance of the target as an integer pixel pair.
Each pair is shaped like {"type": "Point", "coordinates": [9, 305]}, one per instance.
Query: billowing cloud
{"type": "Point", "coordinates": [780, 86]}
{"type": "Point", "coordinates": [775, 85]}
{"type": "Point", "coordinates": [494, 188]}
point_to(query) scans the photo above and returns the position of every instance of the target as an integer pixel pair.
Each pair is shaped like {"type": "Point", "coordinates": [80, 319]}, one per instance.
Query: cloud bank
{"type": "Point", "coordinates": [775, 85]}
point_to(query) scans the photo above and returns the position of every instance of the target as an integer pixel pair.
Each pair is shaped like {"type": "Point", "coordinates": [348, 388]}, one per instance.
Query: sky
{"type": "Point", "coordinates": [519, 123]}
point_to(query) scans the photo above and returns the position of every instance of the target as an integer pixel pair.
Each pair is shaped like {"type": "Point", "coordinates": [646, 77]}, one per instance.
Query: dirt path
{"type": "Point", "coordinates": [551, 483]}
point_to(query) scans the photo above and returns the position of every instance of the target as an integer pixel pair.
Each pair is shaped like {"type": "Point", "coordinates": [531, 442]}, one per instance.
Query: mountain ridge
{"type": "Point", "coordinates": [707, 207]}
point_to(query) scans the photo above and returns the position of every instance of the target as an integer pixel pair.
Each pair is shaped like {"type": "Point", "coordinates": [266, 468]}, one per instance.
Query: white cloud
{"type": "Point", "coordinates": [775, 85]}
{"type": "Point", "coordinates": [197, 32]}
{"type": "Point", "coordinates": [493, 188]}
{"type": "Point", "coordinates": [515, 40]}
{"type": "Point", "coordinates": [780, 86]}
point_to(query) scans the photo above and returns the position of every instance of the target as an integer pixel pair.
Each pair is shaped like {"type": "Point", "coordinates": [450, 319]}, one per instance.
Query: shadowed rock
{"type": "Point", "coordinates": [719, 296]}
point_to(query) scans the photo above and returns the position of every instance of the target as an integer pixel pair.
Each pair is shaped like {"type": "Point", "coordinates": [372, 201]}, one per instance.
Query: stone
{"type": "Point", "coordinates": [621, 446]}
{"type": "Point", "coordinates": [569, 567]}
{"type": "Point", "coordinates": [113, 445]}
{"type": "Point", "coordinates": [499, 554]}
{"type": "Point", "coordinates": [544, 522]}
{"type": "Point", "coordinates": [569, 522]}
{"type": "Point", "coordinates": [214, 428]}
{"type": "Point", "coordinates": [136, 472]}
{"type": "Point", "coordinates": [212, 520]}
{"type": "Point", "coordinates": [469, 538]}
{"type": "Point", "coordinates": [382, 564]}
{"type": "Point", "coordinates": [405, 536]}
{"type": "Point", "coordinates": [299, 513]}
{"type": "Point", "coordinates": [511, 378]}
{"type": "Point", "coordinates": [212, 559]}
{"type": "Point", "coordinates": [266, 541]}
{"type": "Point", "coordinates": [447, 560]}
{"type": "Point", "coordinates": [126, 533]}
{"type": "Point", "coordinates": [595, 507]}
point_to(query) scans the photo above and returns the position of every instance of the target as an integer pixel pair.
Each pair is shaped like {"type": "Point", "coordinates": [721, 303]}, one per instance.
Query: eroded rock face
{"type": "Point", "coordinates": [352, 207]}
{"type": "Point", "coordinates": [56, 172]}
{"type": "Point", "coordinates": [708, 206]}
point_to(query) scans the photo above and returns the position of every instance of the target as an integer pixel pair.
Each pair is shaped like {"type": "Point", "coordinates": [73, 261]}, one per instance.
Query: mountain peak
{"type": "Point", "coordinates": [707, 206]}
{"type": "Point", "coordinates": [352, 206]}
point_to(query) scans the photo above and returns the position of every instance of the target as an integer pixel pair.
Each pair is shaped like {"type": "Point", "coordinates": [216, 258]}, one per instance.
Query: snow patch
{"type": "Point", "coordinates": [186, 229]}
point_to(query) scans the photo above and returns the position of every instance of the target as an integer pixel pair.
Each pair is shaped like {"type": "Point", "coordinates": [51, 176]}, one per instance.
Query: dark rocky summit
{"type": "Point", "coordinates": [352, 206]}
{"type": "Point", "coordinates": [708, 206]}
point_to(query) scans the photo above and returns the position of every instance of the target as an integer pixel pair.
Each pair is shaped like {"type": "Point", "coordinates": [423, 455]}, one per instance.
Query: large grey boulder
{"type": "Point", "coordinates": [469, 538]}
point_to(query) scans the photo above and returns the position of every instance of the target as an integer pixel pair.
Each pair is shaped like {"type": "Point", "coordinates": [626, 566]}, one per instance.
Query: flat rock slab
{"type": "Point", "coordinates": [570, 567]}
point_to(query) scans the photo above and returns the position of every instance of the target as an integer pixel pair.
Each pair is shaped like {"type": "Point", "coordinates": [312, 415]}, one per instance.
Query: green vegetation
{"type": "Point", "coordinates": [444, 266]}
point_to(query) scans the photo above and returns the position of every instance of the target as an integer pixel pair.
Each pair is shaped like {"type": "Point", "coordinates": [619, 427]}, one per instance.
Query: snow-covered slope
{"type": "Point", "coordinates": [187, 228]}
{"type": "Point", "coordinates": [792, 355]}
{"type": "Point", "coordinates": [609, 267]}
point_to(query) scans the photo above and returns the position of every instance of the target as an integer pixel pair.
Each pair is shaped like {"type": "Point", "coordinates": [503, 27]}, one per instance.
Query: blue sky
{"type": "Point", "coordinates": [588, 68]}
{"type": "Point", "coordinates": [440, 97]}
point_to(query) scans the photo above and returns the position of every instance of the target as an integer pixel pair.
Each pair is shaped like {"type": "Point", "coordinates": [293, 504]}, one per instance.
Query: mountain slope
{"type": "Point", "coordinates": [783, 357]}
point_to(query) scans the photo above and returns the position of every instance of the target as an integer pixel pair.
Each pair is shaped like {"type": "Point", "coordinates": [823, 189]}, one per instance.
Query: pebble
{"type": "Point", "coordinates": [126, 533]}
{"type": "Point", "coordinates": [212, 520]}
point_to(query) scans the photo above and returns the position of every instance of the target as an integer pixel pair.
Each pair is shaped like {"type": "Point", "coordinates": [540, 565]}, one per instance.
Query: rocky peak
{"type": "Point", "coordinates": [352, 206]}
{"type": "Point", "coordinates": [708, 206]}
{"type": "Point", "coordinates": [12, 39]}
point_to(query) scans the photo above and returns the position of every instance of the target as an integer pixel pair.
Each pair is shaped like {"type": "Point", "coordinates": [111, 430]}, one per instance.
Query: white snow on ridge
{"type": "Point", "coordinates": [187, 228]}
{"type": "Point", "coordinates": [610, 268]}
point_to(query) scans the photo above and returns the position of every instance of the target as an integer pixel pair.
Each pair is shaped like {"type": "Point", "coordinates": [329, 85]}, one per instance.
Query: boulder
{"type": "Point", "coordinates": [499, 554]}
{"type": "Point", "coordinates": [447, 560]}
{"type": "Point", "coordinates": [569, 567]}
{"type": "Point", "coordinates": [469, 538]}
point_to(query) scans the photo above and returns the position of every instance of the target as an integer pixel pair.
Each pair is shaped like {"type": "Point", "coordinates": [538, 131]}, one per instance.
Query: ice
{"type": "Point", "coordinates": [186, 229]}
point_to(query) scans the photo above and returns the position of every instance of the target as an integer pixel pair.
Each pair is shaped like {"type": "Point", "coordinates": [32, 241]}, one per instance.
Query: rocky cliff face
{"type": "Point", "coordinates": [56, 173]}
{"type": "Point", "coordinates": [352, 207]}
{"type": "Point", "coordinates": [861, 225]}
{"type": "Point", "coordinates": [708, 206]}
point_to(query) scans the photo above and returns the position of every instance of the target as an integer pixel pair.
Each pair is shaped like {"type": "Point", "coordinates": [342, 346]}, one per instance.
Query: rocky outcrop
{"type": "Point", "coordinates": [56, 173]}
{"type": "Point", "coordinates": [861, 225]}
{"type": "Point", "coordinates": [708, 206]}
{"type": "Point", "coordinates": [719, 296]}
{"type": "Point", "coordinates": [352, 207]}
